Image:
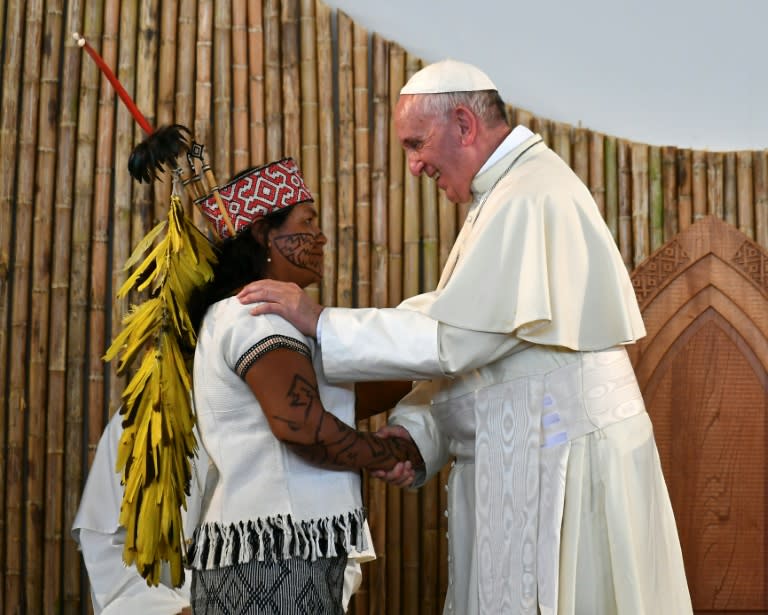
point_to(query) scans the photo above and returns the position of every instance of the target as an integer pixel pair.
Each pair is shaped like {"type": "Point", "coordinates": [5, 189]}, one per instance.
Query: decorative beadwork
{"type": "Point", "coordinates": [273, 342]}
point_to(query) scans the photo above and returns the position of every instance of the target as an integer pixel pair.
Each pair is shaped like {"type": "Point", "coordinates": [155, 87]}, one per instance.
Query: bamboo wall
{"type": "Point", "coordinates": [256, 81]}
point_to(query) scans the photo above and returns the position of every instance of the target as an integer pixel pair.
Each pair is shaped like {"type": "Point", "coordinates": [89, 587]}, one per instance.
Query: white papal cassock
{"type": "Point", "coordinates": [557, 503]}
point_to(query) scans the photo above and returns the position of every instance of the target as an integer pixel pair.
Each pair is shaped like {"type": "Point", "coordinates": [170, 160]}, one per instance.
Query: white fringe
{"type": "Point", "coordinates": [215, 545]}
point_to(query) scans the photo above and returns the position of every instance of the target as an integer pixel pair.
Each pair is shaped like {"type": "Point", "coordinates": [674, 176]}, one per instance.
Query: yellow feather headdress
{"type": "Point", "coordinates": [173, 260]}
{"type": "Point", "coordinates": [158, 442]}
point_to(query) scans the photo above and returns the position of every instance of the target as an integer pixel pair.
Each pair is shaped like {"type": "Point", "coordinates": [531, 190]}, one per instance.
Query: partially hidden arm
{"type": "Point", "coordinates": [284, 382]}
{"type": "Point", "coordinates": [375, 397]}
{"type": "Point", "coordinates": [362, 344]}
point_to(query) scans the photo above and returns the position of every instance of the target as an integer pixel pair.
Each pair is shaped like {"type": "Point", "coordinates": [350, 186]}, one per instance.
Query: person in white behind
{"type": "Point", "coordinates": [117, 589]}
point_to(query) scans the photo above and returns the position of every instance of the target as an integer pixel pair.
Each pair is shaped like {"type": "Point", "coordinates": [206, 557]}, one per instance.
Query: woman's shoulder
{"type": "Point", "coordinates": [230, 313]}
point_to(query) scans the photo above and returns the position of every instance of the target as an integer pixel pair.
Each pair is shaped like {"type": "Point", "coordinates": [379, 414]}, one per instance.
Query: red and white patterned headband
{"type": "Point", "coordinates": [254, 194]}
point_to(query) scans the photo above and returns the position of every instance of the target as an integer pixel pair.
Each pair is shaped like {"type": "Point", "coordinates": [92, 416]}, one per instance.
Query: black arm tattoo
{"type": "Point", "coordinates": [325, 440]}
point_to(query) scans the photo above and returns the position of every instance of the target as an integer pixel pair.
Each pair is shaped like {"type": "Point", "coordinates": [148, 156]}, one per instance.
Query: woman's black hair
{"type": "Point", "coordinates": [241, 259]}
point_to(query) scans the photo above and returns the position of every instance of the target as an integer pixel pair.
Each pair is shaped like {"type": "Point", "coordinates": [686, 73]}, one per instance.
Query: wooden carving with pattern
{"type": "Point", "coordinates": [703, 370]}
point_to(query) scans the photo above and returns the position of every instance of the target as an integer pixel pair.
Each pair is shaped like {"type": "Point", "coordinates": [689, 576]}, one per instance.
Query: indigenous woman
{"type": "Point", "coordinates": [282, 512]}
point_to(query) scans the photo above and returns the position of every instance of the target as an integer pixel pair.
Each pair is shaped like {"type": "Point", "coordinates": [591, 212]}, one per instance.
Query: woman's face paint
{"type": "Point", "coordinates": [297, 247]}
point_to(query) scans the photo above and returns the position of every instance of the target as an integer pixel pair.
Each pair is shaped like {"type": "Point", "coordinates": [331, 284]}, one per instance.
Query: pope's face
{"type": "Point", "coordinates": [433, 147]}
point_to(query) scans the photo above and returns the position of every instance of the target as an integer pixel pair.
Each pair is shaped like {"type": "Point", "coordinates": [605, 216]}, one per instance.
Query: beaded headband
{"type": "Point", "coordinates": [254, 194]}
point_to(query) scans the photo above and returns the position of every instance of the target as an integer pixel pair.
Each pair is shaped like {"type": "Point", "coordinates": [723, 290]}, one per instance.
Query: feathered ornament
{"type": "Point", "coordinates": [158, 152]}
{"type": "Point", "coordinates": [158, 442]}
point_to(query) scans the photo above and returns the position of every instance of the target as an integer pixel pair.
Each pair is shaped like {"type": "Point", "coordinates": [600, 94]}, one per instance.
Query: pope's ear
{"type": "Point", "coordinates": [467, 123]}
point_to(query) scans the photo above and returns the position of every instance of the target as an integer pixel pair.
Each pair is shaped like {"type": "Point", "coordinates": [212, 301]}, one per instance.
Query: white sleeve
{"type": "Point", "coordinates": [117, 589]}
{"type": "Point", "coordinates": [400, 344]}
{"type": "Point", "coordinates": [414, 413]}
{"type": "Point", "coordinates": [378, 344]}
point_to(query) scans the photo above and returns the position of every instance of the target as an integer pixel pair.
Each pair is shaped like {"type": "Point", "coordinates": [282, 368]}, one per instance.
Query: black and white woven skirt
{"type": "Point", "coordinates": [282, 587]}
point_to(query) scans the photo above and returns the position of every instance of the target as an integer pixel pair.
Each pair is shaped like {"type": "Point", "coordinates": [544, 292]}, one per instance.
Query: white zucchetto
{"type": "Point", "coordinates": [448, 76]}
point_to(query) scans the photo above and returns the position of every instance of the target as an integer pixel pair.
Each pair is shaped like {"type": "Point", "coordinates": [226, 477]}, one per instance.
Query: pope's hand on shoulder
{"type": "Point", "coordinates": [285, 299]}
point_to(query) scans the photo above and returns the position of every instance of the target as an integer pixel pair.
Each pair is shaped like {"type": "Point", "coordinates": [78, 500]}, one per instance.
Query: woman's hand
{"type": "Point", "coordinates": [402, 473]}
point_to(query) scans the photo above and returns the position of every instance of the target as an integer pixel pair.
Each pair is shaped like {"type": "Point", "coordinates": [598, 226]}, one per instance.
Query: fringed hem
{"type": "Point", "coordinates": [215, 545]}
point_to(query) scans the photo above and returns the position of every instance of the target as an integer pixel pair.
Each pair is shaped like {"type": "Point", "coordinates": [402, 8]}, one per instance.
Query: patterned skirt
{"type": "Point", "coordinates": [282, 587]}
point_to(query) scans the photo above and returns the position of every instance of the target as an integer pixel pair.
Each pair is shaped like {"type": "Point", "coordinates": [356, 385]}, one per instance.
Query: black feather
{"type": "Point", "coordinates": [158, 152]}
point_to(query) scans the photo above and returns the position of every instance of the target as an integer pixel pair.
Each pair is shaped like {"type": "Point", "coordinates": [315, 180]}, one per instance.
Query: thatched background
{"type": "Point", "coordinates": [256, 80]}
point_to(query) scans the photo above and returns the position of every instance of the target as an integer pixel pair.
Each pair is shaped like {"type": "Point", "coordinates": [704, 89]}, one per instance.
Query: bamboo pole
{"type": "Point", "coordinates": [541, 126]}
{"type": "Point", "coordinates": [397, 172]}
{"type": "Point", "coordinates": [123, 186]}
{"type": "Point", "coordinates": [41, 298]}
{"type": "Point", "coordinates": [143, 209]}
{"type": "Point", "coordinates": [184, 108]}
{"type": "Point", "coordinates": [310, 145]}
{"type": "Point", "coordinates": [62, 586]}
{"type": "Point", "coordinates": [256, 82]}
{"type": "Point", "coordinates": [309, 103]}
{"type": "Point", "coordinates": [240, 153]}
{"type": "Point", "coordinates": [522, 117]}
{"type": "Point", "coordinates": [377, 491]}
{"type": "Point", "coordinates": [669, 191]}
{"type": "Point", "coordinates": [25, 481]}
{"type": "Point", "coordinates": [289, 41]}
{"type": "Point", "coordinates": [745, 194]}
{"type": "Point", "coordinates": [221, 160]}
{"type": "Point", "coordinates": [581, 154]}
{"type": "Point", "coordinates": [429, 493]}
{"type": "Point", "coordinates": [327, 126]}
{"type": "Point", "coordinates": [78, 292]}
{"type": "Point", "coordinates": [760, 172]}
{"type": "Point", "coordinates": [102, 201]}
{"type": "Point", "coordinates": [411, 549]}
{"type": "Point", "coordinates": [166, 86]}
{"type": "Point", "coordinates": [379, 211]}
{"type": "Point", "coordinates": [447, 227]}
{"type": "Point", "coordinates": [10, 521]}
{"type": "Point", "coordinates": [655, 198]}
{"type": "Point", "coordinates": [730, 210]}
{"type": "Point", "coordinates": [429, 603]}
{"type": "Point", "coordinates": [345, 174]}
{"type": "Point", "coordinates": [362, 166]}
{"type": "Point", "coordinates": [597, 170]}
{"type": "Point", "coordinates": [272, 80]}
{"type": "Point", "coordinates": [699, 185]}
{"type": "Point", "coordinates": [611, 165]}
{"type": "Point", "coordinates": [625, 202]}
{"type": "Point", "coordinates": [561, 142]}
{"type": "Point", "coordinates": [362, 217]}
{"type": "Point", "coordinates": [715, 203]}
{"type": "Point", "coordinates": [203, 86]}
{"type": "Point", "coordinates": [396, 166]}
{"type": "Point", "coordinates": [430, 257]}
{"type": "Point", "coordinates": [640, 202]}
{"type": "Point", "coordinates": [685, 189]}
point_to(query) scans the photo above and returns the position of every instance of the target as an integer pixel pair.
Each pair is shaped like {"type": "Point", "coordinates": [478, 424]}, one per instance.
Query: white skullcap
{"type": "Point", "coordinates": [448, 76]}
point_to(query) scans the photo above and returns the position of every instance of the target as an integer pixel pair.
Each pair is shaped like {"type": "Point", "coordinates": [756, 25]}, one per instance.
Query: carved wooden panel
{"type": "Point", "coordinates": [703, 370]}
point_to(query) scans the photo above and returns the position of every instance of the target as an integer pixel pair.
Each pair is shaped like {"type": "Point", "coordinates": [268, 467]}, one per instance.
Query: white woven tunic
{"type": "Point", "coordinates": [263, 501]}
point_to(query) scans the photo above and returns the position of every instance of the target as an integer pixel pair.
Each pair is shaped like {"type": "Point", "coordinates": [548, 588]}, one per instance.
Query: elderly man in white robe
{"type": "Point", "coordinates": [557, 503]}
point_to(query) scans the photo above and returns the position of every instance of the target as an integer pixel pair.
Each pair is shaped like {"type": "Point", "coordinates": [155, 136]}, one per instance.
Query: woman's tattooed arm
{"type": "Point", "coordinates": [284, 383]}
